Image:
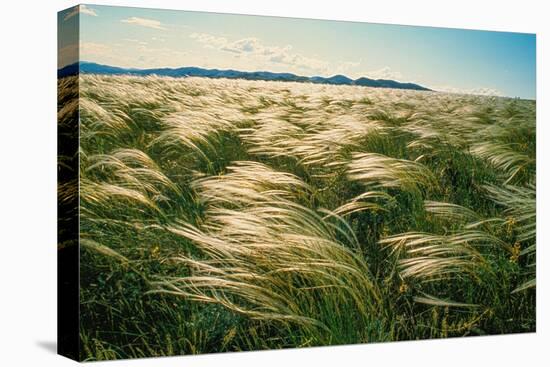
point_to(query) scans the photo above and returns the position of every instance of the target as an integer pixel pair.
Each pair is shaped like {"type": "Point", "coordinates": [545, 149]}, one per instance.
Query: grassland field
{"type": "Point", "coordinates": [230, 215]}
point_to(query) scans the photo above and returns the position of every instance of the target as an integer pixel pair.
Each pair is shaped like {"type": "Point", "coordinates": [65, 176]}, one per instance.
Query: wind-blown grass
{"type": "Point", "coordinates": [274, 260]}
{"type": "Point", "coordinates": [227, 215]}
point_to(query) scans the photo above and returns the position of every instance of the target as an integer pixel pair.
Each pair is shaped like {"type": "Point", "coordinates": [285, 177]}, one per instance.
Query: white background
{"type": "Point", "coordinates": [28, 183]}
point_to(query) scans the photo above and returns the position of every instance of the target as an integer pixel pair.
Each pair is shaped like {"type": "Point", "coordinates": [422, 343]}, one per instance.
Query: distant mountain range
{"type": "Point", "coordinates": [93, 68]}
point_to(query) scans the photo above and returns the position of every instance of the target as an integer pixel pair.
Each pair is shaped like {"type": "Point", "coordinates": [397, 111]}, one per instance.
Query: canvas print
{"type": "Point", "coordinates": [241, 183]}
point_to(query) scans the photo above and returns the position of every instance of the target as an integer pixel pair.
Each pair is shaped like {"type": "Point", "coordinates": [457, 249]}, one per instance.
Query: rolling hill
{"type": "Point", "coordinates": [94, 68]}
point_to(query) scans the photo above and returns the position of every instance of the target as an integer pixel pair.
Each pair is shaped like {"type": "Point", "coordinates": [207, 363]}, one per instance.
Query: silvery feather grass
{"type": "Point", "coordinates": [458, 214]}
{"type": "Point", "coordinates": [381, 171]}
{"type": "Point", "coordinates": [222, 215]}
{"type": "Point", "coordinates": [134, 169]}
{"type": "Point", "coordinates": [520, 204]}
{"type": "Point", "coordinates": [504, 158]}
{"type": "Point", "coordinates": [310, 141]}
{"type": "Point", "coordinates": [427, 256]}
{"type": "Point", "coordinates": [521, 207]}
{"type": "Point", "coordinates": [274, 260]}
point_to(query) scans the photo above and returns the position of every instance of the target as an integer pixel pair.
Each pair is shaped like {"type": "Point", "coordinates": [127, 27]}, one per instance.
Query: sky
{"type": "Point", "coordinates": [444, 59]}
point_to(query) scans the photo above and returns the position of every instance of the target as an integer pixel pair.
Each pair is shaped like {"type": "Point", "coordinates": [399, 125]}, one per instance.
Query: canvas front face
{"type": "Point", "coordinates": [240, 183]}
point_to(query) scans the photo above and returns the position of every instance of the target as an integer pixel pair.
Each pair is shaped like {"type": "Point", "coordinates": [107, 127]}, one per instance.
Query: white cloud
{"type": "Point", "coordinates": [67, 55]}
{"type": "Point", "coordinates": [254, 48]}
{"type": "Point", "coordinates": [247, 45]}
{"type": "Point", "coordinates": [285, 56]}
{"type": "Point", "coordinates": [90, 49]}
{"type": "Point", "coordinates": [80, 9]}
{"type": "Point", "coordinates": [208, 40]}
{"type": "Point", "coordinates": [132, 53]}
{"type": "Point", "coordinates": [346, 66]}
{"type": "Point", "coordinates": [384, 73]}
{"type": "Point", "coordinates": [149, 23]}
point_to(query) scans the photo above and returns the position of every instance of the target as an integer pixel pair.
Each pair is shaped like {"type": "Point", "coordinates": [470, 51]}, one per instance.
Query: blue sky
{"type": "Point", "coordinates": [444, 59]}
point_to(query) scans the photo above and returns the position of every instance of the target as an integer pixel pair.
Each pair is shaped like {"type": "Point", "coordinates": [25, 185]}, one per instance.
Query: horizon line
{"type": "Point", "coordinates": [425, 89]}
{"type": "Point", "coordinates": [241, 71]}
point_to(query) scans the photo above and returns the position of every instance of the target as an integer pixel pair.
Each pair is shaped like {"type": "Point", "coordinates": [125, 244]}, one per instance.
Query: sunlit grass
{"type": "Point", "coordinates": [221, 215]}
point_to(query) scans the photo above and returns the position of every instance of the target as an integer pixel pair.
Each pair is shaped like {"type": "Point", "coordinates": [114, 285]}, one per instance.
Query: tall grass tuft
{"type": "Point", "coordinates": [274, 260]}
